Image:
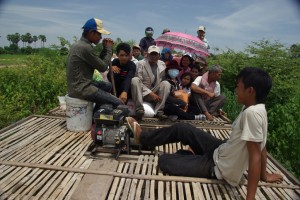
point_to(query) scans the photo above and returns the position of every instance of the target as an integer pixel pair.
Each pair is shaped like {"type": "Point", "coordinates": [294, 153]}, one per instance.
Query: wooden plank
{"type": "Point", "coordinates": [218, 193]}
{"type": "Point", "coordinates": [196, 191]}
{"type": "Point", "coordinates": [79, 151]}
{"type": "Point", "coordinates": [233, 192]}
{"type": "Point", "coordinates": [32, 175]}
{"type": "Point", "coordinates": [134, 182]}
{"type": "Point", "coordinates": [180, 190]}
{"type": "Point", "coordinates": [20, 139]}
{"type": "Point", "coordinates": [65, 188]}
{"type": "Point", "coordinates": [125, 192]}
{"type": "Point", "coordinates": [14, 179]}
{"type": "Point", "coordinates": [173, 190]}
{"type": "Point", "coordinates": [145, 177]}
{"type": "Point", "coordinates": [292, 193]}
{"type": "Point", "coordinates": [96, 186]}
{"type": "Point", "coordinates": [211, 191]}
{"type": "Point", "coordinates": [163, 192]}
{"type": "Point", "coordinates": [141, 182]}
{"type": "Point", "coordinates": [42, 187]}
{"type": "Point", "coordinates": [224, 192]}
{"type": "Point", "coordinates": [122, 182]}
{"type": "Point", "coordinates": [206, 192]}
{"type": "Point", "coordinates": [152, 182]}
{"type": "Point", "coordinates": [167, 190]}
{"type": "Point", "coordinates": [115, 184]}
{"type": "Point", "coordinates": [16, 125]}
{"type": "Point", "coordinates": [147, 181]}
{"type": "Point", "coordinates": [187, 190]}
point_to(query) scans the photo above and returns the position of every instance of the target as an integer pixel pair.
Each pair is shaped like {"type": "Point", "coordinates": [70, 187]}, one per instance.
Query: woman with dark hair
{"type": "Point", "coordinates": [124, 70]}
{"type": "Point", "coordinates": [186, 62]}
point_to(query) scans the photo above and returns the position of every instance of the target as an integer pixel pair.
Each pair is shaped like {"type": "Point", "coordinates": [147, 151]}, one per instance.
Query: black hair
{"type": "Point", "coordinates": [85, 32]}
{"type": "Point", "coordinates": [196, 66]}
{"type": "Point", "coordinates": [257, 78]}
{"type": "Point", "coordinates": [189, 57]}
{"type": "Point", "coordinates": [187, 74]}
{"type": "Point", "coordinates": [123, 46]}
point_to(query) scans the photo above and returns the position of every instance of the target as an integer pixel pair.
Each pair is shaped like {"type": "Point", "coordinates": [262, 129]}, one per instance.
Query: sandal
{"type": "Point", "coordinates": [132, 127]}
{"type": "Point", "coordinates": [139, 114]}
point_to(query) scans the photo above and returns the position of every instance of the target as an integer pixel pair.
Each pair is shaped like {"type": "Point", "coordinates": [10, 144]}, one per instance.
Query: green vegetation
{"type": "Point", "coordinates": [12, 60]}
{"type": "Point", "coordinates": [33, 89]}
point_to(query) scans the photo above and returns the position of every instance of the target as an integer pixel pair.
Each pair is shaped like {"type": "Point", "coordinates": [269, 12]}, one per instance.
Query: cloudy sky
{"type": "Point", "coordinates": [230, 24]}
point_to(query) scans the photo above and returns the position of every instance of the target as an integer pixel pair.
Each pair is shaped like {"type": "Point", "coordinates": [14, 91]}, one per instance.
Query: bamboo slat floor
{"type": "Point", "coordinates": [41, 159]}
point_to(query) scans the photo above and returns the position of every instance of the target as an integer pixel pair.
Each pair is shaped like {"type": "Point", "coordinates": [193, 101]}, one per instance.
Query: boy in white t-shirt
{"type": "Point", "coordinates": [215, 158]}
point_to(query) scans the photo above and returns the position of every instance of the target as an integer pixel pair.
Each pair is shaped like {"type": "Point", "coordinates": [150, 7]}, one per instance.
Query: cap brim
{"type": "Point", "coordinates": [153, 51]}
{"type": "Point", "coordinates": [103, 31]}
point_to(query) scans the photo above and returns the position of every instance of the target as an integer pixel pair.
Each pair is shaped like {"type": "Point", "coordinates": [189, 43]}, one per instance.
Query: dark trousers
{"type": "Point", "coordinates": [211, 105]}
{"type": "Point", "coordinates": [203, 144]}
{"type": "Point", "coordinates": [103, 95]}
{"type": "Point", "coordinates": [171, 109]}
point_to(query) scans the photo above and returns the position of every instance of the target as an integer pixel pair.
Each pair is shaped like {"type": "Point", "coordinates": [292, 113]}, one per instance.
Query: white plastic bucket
{"type": "Point", "coordinates": [78, 114]}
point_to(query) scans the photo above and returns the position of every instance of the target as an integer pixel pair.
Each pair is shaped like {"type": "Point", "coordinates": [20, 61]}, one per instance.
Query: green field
{"type": "Point", "coordinates": [9, 60]}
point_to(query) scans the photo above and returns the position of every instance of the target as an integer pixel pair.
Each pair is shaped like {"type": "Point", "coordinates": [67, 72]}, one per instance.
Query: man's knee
{"type": "Point", "coordinates": [164, 162]}
{"type": "Point", "coordinates": [165, 85]}
{"type": "Point", "coordinates": [135, 81]}
{"type": "Point", "coordinates": [222, 98]}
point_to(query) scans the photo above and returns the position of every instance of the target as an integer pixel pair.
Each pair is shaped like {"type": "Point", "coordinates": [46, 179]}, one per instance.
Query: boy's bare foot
{"type": "Point", "coordinates": [135, 128]}
{"type": "Point", "coordinates": [208, 116]}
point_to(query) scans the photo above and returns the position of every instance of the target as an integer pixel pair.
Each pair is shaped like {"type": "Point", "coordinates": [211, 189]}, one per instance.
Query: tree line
{"type": "Point", "coordinates": [27, 39]}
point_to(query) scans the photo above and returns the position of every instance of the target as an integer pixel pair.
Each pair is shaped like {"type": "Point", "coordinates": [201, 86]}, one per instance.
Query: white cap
{"type": "Point", "coordinates": [201, 28]}
{"type": "Point", "coordinates": [153, 48]}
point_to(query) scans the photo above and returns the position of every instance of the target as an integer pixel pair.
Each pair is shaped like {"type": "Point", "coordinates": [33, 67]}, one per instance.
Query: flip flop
{"type": "Point", "coordinates": [133, 129]}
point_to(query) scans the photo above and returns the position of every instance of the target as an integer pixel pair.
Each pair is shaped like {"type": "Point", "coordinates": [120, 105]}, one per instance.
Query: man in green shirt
{"type": "Point", "coordinates": [83, 60]}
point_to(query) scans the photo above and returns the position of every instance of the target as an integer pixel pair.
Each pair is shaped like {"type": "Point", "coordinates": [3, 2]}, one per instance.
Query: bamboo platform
{"type": "Point", "coordinates": [41, 159]}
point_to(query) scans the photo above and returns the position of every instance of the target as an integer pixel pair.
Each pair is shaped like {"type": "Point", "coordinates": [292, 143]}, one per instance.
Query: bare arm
{"type": "Point", "coordinates": [254, 168]}
{"type": "Point", "coordinates": [265, 176]}
{"type": "Point", "coordinates": [199, 90]}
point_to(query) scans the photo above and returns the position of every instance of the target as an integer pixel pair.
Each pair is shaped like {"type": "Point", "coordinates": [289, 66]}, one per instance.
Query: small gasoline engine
{"type": "Point", "coordinates": [109, 132]}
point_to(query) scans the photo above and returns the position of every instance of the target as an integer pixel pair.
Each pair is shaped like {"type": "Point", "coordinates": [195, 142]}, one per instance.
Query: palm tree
{"type": "Point", "coordinates": [23, 39]}
{"type": "Point", "coordinates": [43, 39]}
{"type": "Point", "coordinates": [28, 38]}
{"type": "Point", "coordinates": [16, 39]}
{"type": "Point", "coordinates": [34, 39]}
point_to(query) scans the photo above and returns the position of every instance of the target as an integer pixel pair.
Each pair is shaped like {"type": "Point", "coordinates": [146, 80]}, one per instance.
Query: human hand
{"type": "Point", "coordinates": [272, 178]}
{"type": "Point", "coordinates": [108, 42]}
{"type": "Point", "coordinates": [211, 94]}
{"type": "Point", "coordinates": [115, 69]}
{"type": "Point", "coordinates": [123, 97]}
{"type": "Point", "coordinates": [155, 97]}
